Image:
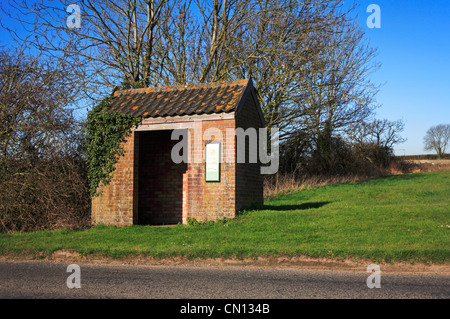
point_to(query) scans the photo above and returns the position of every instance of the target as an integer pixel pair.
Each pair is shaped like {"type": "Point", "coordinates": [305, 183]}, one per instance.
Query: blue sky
{"type": "Point", "coordinates": [414, 50]}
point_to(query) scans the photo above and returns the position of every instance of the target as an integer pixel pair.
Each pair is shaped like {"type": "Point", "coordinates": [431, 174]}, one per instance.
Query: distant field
{"type": "Point", "coordinates": [422, 157]}
{"type": "Point", "coordinates": [430, 165]}
{"type": "Point", "coordinates": [397, 218]}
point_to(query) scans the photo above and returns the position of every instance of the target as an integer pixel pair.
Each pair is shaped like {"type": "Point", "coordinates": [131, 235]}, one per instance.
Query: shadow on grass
{"type": "Point", "coordinates": [294, 207]}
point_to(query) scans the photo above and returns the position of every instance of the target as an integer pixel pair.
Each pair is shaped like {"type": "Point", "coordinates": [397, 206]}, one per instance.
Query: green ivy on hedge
{"type": "Point", "coordinates": [105, 133]}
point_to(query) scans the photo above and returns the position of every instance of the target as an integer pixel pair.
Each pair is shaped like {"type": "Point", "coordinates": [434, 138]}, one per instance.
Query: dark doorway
{"type": "Point", "coordinates": [160, 180]}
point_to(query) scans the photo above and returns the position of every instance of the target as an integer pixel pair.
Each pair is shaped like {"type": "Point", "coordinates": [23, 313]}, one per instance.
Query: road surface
{"type": "Point", "coordinates": [45, 279]}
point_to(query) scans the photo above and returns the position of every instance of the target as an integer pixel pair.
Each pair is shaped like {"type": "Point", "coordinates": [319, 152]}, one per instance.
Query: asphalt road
{"type": "Point", "coordinates": [43, 279]}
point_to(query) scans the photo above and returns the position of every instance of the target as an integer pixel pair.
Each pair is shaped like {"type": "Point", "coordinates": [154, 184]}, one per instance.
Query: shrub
{"type": "Point", "coordinates": [49, 194]}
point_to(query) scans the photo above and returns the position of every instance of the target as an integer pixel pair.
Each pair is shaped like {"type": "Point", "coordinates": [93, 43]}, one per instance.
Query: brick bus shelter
{"type": "Point", "coordinates": [149, 188]}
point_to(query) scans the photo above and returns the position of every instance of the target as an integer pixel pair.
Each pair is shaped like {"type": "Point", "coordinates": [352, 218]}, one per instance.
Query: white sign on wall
{"type": "Point", "coordinates": [212, 162]}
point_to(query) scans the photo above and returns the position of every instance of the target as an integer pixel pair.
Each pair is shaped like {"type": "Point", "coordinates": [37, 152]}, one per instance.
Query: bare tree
{"type": "Point", "coordinates": [339, 93]}
{"type": "Point", "coordinates": [43, 180]}
{"type": "Point", "coordinates": [278, 49]}
{"type": "Point", "coordinates": [35, 106]}
{"type": "Point", "coordinates": [309, 62]}
{"type": "Point", "coordinates": [437, 139]}
{"type": "Point", "coordinates": [274, 42]}
{"type": "Point", "coordinates": [193, 36]}
{"type": "Point", "coordinates": [382, 133]}
{"type": "Point", "coordinates": [113, 45]}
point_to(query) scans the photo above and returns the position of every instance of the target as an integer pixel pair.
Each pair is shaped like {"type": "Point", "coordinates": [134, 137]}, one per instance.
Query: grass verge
{"type": "Point", "coordinates": [397, 218]}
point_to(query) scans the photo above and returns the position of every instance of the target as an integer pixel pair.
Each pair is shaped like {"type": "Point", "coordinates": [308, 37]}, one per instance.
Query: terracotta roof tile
{"type": "Point", "coordinates": [207, 98]}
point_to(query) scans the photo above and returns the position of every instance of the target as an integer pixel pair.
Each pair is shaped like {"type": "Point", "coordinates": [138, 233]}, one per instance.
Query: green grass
{"type": "Point", "coordinates": [397, 218]}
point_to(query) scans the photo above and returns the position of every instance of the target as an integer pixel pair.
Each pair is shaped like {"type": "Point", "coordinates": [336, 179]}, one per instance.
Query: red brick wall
{"type": "Point", "coordinates": [211, 200]}
{"type": "Point", "coordinates": [116, 203]}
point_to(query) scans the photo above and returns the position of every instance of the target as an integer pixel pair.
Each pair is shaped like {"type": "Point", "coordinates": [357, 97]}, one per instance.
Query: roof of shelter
{"type": "Point", "coordinates": [205, 98]}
